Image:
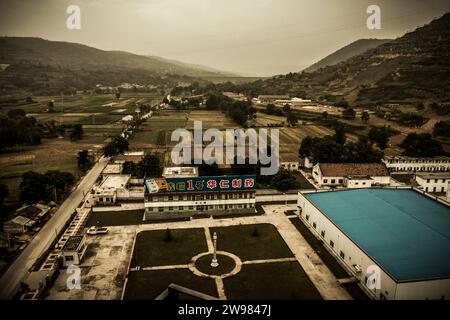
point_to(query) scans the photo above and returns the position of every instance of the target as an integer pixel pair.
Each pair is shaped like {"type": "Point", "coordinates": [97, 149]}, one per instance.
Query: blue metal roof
{"type": "Point", "coordinates": [406, 233]}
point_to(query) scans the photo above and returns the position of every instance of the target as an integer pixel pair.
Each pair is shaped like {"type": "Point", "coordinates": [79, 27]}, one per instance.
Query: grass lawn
{"type": "Point", "coordinates": [271, 281]}
{"type": "Point", "coordinates": [240, 241]}
{"type": "Point", "coordinates": [304, 183]}
{"type": "Point", "coordinates": [151, 249]}
{"type": "Point", "coordinates": [115, 218]}
{"type": "Point", "coordinates": [147, 285]}
{"type": "Point", "coordinates": [123, 218]}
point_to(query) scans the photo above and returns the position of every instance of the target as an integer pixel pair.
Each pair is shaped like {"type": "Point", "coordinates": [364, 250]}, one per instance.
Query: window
{"type": "Point", "coordinates": [333, 181]}
{"type": "Point", "coordinates": [331, 243]}
{"type": "Point", "coordinates": [307, 217]}
{"type": "Point", "coordinates": [342, 254]}
{"type": "Point", "coordinates": [325, 180]}
{"type": "Point", "coordinates": [68, 258]}
{"type": "Point", "coordinates": [340, 180]}
{"type": "Point", "coordinates": [314, 225]}
{"type": "Point", "coordinates": [322, 233]}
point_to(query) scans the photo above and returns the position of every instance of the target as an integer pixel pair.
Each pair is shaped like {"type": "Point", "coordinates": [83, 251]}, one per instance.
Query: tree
{"type": "Point", "coordinates": [360, 152]}
{"type": "Point", "coordinates": [77, 132]}
{"type": "Point", "coordinates": [16, 113]}
{"type": "Point", "coordinates": [284, 181]}
{"type": "Point", "coordinates": [4, 192]}
{"type": "Point", "coordinates": [29, 100]}
{"type": "Point", "coordinates": [255, 232]}
{"type": "Point", "coordinates": [421, 145]}
{"type": "Point", "coordinates": [270, 108]}
{"type": "Point", "coordinates": [118, 95]}
{"type": "Point", "coordinates": [442, 128]}
{"type": "Point", "coordinates": [51, 106]}
{"type": "Point", "coordinates": [412, 119]}
{"type": "Point", "coordinates": [339, 133]}
{"type": "Point", "coordinates": [168, 235]}
{"type": "Point", "coordinates": [349, 113]}
{"type": "Point", "coordinates": [380, 135]}
{"type": "Point", "coordinates": [365, 116]}
{"type": "Point", "coordinates": [117, 146]}
{"type": "Point", "coordinates": [287, 108]}
{"type": "Point", "coordinates": [151, 166]}
{"type": "Point", "coordinates": [342, 104]}
{"type": "Point", "coordinates": [33, 187]}
{"type": "Point", "coordinates": [83, 160]}
{"type": "Point", "coordinates": [292, 119]}
{"type": "Point", "coordinates": [306, 147]}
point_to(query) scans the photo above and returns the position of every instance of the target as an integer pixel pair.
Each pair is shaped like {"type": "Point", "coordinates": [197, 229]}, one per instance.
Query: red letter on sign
{"type": "Point", "coordinates": [236, 183]}
{"type": "Point", "coordinates": [212, 184]}
{"type": "Point", "coordinates": [249, 183]}
{"type": "Point", "coordinates": [224, 184]}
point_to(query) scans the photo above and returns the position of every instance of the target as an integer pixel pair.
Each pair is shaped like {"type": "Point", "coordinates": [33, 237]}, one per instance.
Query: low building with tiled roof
{"type": "Point", "coordinates": [340, 174]}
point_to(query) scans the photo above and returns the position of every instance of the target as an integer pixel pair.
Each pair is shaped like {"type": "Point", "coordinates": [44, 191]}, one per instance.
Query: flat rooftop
{"type": "Point", "coordinates": [434, 175]}
{"type": "Point", "coordinates": [405, 232]}
{"type": "Point", "coordinates": [112, 169]}
{"type": "Point", "coordinates": [72, 243]}
{"type": "Point", "coordinates": [169, 172]}
{"type": "Point", "coordinates": [115, 181]}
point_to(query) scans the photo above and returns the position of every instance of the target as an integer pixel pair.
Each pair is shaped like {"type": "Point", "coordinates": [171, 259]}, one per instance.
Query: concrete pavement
{"type": "Point", "coordinates": [10, 281]}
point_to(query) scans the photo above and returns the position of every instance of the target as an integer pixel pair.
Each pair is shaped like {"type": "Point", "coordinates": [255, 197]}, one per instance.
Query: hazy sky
{"type": "Point", "coordinates": [251, 37]}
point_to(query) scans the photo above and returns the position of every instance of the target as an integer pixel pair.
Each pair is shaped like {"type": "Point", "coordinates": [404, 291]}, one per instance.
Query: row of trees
{"type": "Point", "coordinates": [442, 128]}
{"type": "Point", "coordinates": [52, 185]}
{"type": "Point", "coordinates": [422, 145]}
{"type": "Point", "coordinates": [150, 166]}
{"type": "Point", "coordinates": [117, 146]}
{"type": "Point", "coordinates": [18, 130]}
{"type": "Point", "coordinates": [335, 149]}
{"type": "Point", "coordinates": [239, 111]}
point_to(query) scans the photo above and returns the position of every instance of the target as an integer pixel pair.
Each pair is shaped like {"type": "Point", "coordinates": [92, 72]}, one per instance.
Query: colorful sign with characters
{"type": "Point", "coordinates": [201, 184]}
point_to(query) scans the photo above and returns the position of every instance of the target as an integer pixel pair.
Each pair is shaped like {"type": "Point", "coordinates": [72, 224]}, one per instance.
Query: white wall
{"type": "Point", "coordinates": [432, 186]}
{"type": "Point", "coordinates": [355, 255]}
{"type": "Point", "coordinates": [430, 289]}
{"type": "Point", "coordinates": [415, 165]}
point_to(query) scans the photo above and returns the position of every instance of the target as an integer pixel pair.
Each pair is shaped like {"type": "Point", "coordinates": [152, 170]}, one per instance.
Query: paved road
{"type": "Point", "coordinates": [10, 281]}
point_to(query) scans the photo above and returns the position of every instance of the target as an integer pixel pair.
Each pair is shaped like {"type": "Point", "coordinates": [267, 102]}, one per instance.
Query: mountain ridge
{"type": "Point", "coordinates": [346, 52]}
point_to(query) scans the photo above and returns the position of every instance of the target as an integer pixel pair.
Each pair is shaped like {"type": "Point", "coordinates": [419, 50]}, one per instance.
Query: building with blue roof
{"type": "Point", "coordinates": [395, 241]}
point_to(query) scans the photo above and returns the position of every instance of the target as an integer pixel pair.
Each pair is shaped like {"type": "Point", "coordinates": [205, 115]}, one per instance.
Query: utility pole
{"type": "Point", "coordinates": [62, 106]}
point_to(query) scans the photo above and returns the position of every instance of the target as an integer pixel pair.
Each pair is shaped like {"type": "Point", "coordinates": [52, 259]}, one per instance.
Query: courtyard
{"type": "Point", "coordinates": [254, 263]}
{"type": "Point", "coordinates": [260, 257]}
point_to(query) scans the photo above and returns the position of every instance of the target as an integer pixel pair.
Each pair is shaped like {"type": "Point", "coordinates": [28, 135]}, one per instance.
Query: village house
{"type": "Point", "coordinates": [354, 175]}
{"type": "Point", "coordinates": [433, 182]}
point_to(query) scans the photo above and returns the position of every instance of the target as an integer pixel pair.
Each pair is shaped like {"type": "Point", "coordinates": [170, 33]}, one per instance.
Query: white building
{"type": "Point", "coordinates": [179, 196]}
{"type": "Point", "coordinates": [433, 182]}
{"type": "Point", "coordinates": [386, 238]}
{"type": "Point", "coordinates": [294, 102]}
{"type": "Point", "coordinates": [337, 174]}
{"type": "Point", "coordinates": [116, 188]}
{"type": "Point", "coordinates": [74, 250]}
{"type": "Point", "coordinates": [409, 164]}
{"type": "Point", "coordinates": [356, 182]}
{"type": "Point", "coordinates": [268, 98]}
{"type": "Point", "coordinates": [180, 172]}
